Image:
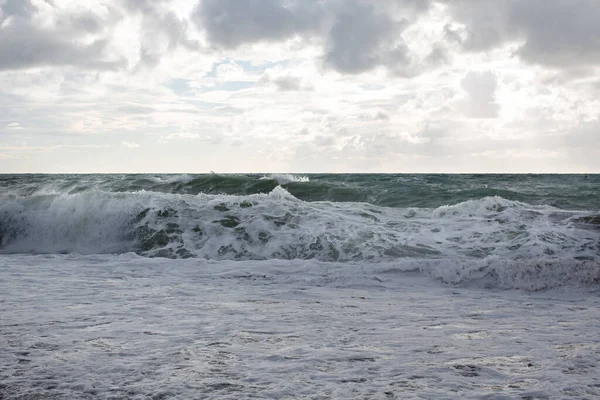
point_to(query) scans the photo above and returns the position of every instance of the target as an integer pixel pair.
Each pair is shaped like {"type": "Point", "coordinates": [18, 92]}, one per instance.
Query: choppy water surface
{"type": "Point", "coordinates": [299, 286]}
{"type": "Point", "coordinates": [491, 223]}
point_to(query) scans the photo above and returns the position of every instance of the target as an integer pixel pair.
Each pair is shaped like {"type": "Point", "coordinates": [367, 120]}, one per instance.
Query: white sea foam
{"type": "Point", "coordinates": [127, 327]}
{"type": "Point", "coordinates": [183, 178]}
{"type": "Point", "coordinates": [287, 178]}
{"type": "Point", "coordinates": [291, 299]}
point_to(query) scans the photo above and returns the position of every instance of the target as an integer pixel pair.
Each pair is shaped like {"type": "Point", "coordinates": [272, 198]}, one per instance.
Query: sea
{"type": "Point", "coordinates": [289, 286]}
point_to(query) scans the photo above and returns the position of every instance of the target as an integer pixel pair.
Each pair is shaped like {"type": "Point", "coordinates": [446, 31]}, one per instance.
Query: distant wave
{"type": "Point", "coordinates": [286, 178]}
{"type": "Point", "coordinates": [161, 179]}
{"type": "Point", "coordinates": [388, 190]}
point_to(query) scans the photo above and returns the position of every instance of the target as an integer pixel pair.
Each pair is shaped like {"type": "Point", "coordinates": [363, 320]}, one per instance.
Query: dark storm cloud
{"type": "Point", "coordinates": [556, 33]}
{"type": "Point", "coordinates": [24, 44]}
{"type": "Point", "coordinates": [559, 32]}
{"type": "Point", "coordinates": [365, 35]}
{"type": "Point", "coordinates": [231, 23]}
{"type": "Point", "coordinates": [24, 47]}
{"type": "Point", "coordinates": [22, 8]}
{"type": "Point", "coordinates": [360, 39]}
{"type": "Point", "coordinates": [357, 35]}
{"type": "Point", "coordinates": [148, 6]}
{"type": "Point", "coordinates": [416, 6]}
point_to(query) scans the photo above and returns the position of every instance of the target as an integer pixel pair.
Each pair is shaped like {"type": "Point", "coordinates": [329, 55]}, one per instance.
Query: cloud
{"type": "Point", "coordinates": [354, 85]}
{"type": "Point", "coordinates": [356, 35]}
{"type": "Point", "coordinates": [285, 82]}
{"type": "Point", "coordinates": [377, 116]}
{"type": "Point", "coordinates": [130, 145]}
{"type": "Point", "coordinates": [14, 126]}
{"type": "Point", "coordinates": [481, 100]}
{"type": "Point", "coordinates": [162, 31]}
{"type": "Point", "coordinates": [20, 8]}
{"type": "Point", "coordinates": [38, 34]}
{"type": "Point", "coordinates": [430, 147]}
{"type": "Point", "coordinates": [485, 22]}
{"type": "Point", "coordinates": [559, 33]}
{"type": "Point", "coordinates": [147, 6]}
{"type": "Point", "coordinates": [46, 149]}
{"type": "Point", "coordinates": [581, 143]}
{"type": "Point", "coordinates": [231, 23]}
{"type": "Point", "coordinates": [555, 33]}
{"type": "Point", "coordinates": [26, 43]}
{"type": "Point", "coordinates": [34, 36]}
{"type": "Point", "coordinates": [23, 47]}
{"type": "Point", "coordinates": [213, 138]}
{"type": "Point", "coordinates": [135, 109]}
{"type": "Point", "coordinates": [363, 37]}
{"type": "Point", "coordinates": [288, 83]}
{"type": "Point", "coordinates": [431, 132]}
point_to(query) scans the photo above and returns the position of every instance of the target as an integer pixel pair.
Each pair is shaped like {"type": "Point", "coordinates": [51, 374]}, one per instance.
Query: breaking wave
{"type": "Point", "coordinates": [510, 243]}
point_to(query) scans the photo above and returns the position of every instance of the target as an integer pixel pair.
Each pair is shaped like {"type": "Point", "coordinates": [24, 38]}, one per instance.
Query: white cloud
{"type": "Point", "coordinates": [130, 145]}
{"type": "Point", "coordinates": [14, 126]}
{"type": "Point", "coordinates": [259, 85]}
{"type": "Point", "coordinates": [481, 99]}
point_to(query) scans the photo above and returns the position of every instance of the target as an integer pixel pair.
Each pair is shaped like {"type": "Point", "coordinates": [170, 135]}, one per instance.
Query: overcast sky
{"type": "Point", "coordinates": [299, 86]}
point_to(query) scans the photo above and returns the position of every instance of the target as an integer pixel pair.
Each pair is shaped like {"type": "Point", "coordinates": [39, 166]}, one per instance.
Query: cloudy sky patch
{"type": "Point", "coordinates": [299, 85]}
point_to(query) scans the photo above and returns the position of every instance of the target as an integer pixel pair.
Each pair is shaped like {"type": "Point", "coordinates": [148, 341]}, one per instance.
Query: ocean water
{"type": "Point", "coordinates": [502, 228]}
{"type": "Point", "coordinates": [299, 286]}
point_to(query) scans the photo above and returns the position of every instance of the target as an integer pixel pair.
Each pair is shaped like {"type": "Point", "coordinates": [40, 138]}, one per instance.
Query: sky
{"type": "Point", "coordinates": [299, 86]}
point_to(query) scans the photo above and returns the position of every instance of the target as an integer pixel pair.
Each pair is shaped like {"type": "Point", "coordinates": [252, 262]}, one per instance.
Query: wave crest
{"type": "Point", "coordinates": [282, 179]}
{"type": "Point", "coordinates": [478, 239]}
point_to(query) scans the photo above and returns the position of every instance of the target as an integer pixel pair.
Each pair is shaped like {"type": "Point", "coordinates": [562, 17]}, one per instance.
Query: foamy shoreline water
{"type": "Point", "coordinates": [127, 327]}
{"type": "Point", "coordinates": [283, 287]}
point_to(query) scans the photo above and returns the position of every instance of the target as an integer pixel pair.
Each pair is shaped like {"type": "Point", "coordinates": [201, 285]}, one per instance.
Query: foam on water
{"type": "Point", "coordinates": [183, 178]}
{"type": "Point", "coordinates": [127, 327]}
{"type": "Point", "coordinates": [232, 287]}
{"type": "Point", "coordinates": [570, 192]}
{"type": "Point", "coordinates": [287, 178]}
